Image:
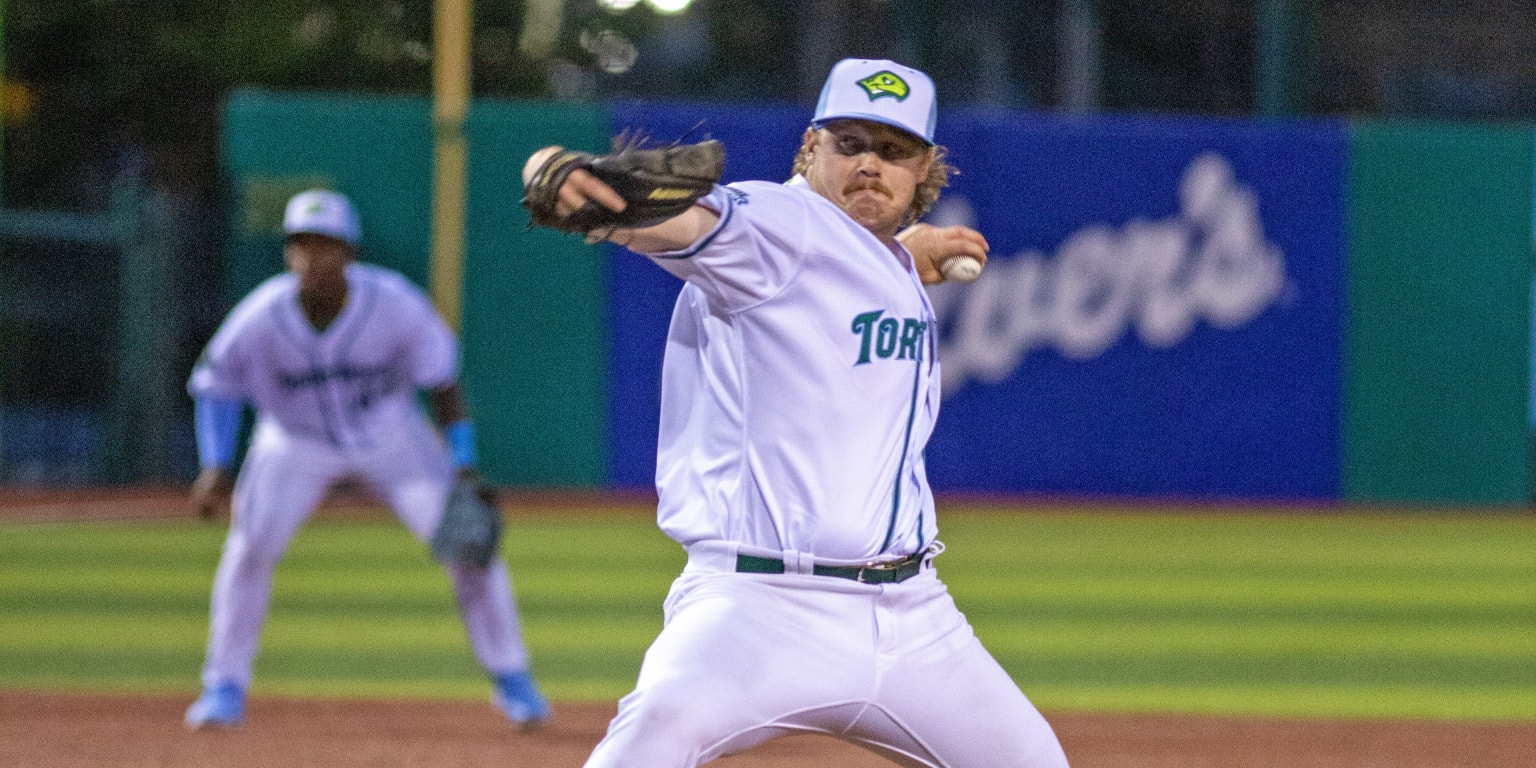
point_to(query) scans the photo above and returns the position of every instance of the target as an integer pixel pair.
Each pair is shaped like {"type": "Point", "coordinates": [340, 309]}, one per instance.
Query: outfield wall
{"type": "Point", "coordinates": [1298, 310]}
{"type": "Point", "coordinates": [1439, 294]}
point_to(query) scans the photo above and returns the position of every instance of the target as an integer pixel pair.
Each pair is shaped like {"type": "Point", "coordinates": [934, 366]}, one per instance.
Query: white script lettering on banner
{"type": "Point", "coordinates": [1211, 261]}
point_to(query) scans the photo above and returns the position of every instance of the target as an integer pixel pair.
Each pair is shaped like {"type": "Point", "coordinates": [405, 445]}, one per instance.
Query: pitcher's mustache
{"type": "Point", "coordinates": [859, 186]}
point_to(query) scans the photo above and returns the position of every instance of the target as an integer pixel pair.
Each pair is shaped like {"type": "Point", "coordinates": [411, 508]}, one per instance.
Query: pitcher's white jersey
{"type": "Point", "coordinates": [349, 386]}
{"type": "Point", "coordinates": [800, 383]}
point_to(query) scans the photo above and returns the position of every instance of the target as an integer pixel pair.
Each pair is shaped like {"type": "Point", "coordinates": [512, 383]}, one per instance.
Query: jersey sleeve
{"type": "Point", "coordinates": [431, 345]}
{"type": "Point", "coordinates": [222, 370]}
{"type": "Point", "coordinates": [218, 374]}
{"type": "Point", "coordinates": [754, 250]}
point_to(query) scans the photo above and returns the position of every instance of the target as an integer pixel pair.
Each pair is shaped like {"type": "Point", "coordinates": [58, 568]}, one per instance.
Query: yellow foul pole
{"type": "Point", "coordinates": [450, 103]}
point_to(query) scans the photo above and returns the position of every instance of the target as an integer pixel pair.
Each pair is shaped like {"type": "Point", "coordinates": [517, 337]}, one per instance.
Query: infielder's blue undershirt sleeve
{"type": "Point", "coordinates": [460, 436]}
{"type": "Point", "coordinates": [218, 427]}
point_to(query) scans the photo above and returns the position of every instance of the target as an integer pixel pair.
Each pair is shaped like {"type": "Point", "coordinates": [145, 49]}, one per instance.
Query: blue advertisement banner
{"type": "Point", "coordinates": [1162, 313]}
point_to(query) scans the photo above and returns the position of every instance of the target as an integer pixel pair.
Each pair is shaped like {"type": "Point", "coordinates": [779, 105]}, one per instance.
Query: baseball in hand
{"type": "Point", "coordinates": [961, 269]}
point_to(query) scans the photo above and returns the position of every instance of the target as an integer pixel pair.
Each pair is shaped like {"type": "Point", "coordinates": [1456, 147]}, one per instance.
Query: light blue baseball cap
{"type": "Point", "coordinates": [322, 212]}
{"type": "Point", "coordinates": [880, 90]}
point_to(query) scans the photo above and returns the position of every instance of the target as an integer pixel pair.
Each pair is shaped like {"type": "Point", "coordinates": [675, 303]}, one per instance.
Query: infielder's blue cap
{"type": "Point", "coordinates": [322, 212]}
{"type": "Point", "coordinates": [880, 90]}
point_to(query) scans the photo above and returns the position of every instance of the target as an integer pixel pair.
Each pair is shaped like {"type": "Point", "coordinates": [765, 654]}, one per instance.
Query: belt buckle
{"type": "Point", "coordinates": [873, 566]}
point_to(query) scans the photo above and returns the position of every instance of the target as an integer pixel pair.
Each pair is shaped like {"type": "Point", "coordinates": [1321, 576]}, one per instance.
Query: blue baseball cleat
{"type": "Point", "coordinates": [222, 706]}
{"type": "Point", "coordinates": [518, 697]}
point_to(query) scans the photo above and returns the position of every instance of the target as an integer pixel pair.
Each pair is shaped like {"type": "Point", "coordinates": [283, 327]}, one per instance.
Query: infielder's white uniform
{"type": "Point", "coordinates": [332, 405]}
{"type": "Point", "coordinates": [799, 388]}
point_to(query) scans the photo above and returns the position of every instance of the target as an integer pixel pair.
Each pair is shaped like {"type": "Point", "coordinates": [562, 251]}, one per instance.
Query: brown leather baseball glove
{"type": "Point", "coordinates": [657, 183]}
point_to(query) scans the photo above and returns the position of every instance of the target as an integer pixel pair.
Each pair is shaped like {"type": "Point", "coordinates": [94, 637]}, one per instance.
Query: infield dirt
{"type": "Point", "coordinates": [47, 730]}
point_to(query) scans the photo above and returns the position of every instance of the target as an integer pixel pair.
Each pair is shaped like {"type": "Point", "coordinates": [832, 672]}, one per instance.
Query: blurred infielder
{"type": "Point", "coordinates": [331, 355]}
{"type": "Point", "coordinates": [799, 388]}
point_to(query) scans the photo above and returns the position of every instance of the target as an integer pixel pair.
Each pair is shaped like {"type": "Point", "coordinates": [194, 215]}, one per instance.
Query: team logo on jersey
{"type": "Point", "coordinates": [885, 83]}
{"type": "Point", "coordinates": [362, 385]}
{"type": "Point", "coordinates": [887, 338]}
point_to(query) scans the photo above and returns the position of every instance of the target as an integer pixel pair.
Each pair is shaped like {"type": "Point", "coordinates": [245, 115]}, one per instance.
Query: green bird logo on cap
{"type": "Point", "coordinates": [885, 83]}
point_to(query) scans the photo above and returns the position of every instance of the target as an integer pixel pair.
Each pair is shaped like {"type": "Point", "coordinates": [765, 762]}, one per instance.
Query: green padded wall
{"type": "Point", "coordinates": [1439, 310]}
{"type": "Point", "coordinates": [376, 149]}
{"type": "Point", "coordinates": [535, 306]}
{"type": "Point", "coordinates": [534, 332]}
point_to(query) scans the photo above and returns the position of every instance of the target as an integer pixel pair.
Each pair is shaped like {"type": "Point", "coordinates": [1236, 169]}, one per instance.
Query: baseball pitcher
{"type": "Point", "coordinates": [799, 387]}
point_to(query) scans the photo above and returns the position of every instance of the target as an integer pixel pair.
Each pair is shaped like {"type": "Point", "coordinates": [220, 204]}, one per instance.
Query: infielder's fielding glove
{"type": "Point", "coordinates": [657, 183]}
{"type": "Point", "coordinates": [470, 528]}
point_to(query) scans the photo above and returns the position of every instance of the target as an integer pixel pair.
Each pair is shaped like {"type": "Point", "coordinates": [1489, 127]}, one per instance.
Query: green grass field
{"type": "Point", "coordinates": [1319, 615]}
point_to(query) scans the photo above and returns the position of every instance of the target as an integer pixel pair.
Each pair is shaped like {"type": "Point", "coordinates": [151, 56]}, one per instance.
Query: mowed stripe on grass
{"type": "Point", "coordinates": [1309, 614]}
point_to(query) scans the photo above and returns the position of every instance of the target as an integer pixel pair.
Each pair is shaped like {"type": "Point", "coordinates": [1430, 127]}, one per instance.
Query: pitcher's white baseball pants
{"type": "Point", "coordinates": [747, 657]}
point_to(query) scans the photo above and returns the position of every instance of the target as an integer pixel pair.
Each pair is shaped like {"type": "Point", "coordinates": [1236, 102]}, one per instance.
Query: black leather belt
{"type": "Point", "coordinates": [893, 572]}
